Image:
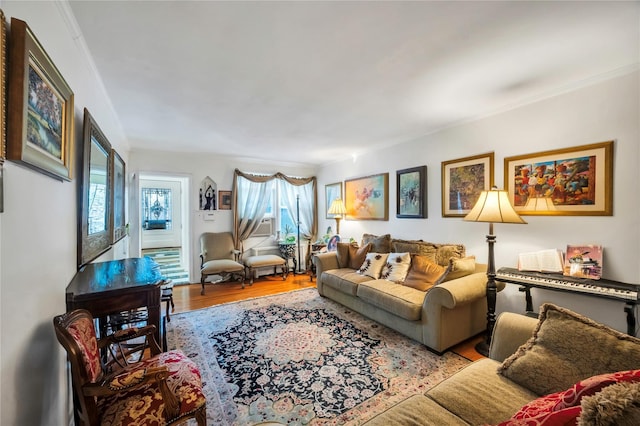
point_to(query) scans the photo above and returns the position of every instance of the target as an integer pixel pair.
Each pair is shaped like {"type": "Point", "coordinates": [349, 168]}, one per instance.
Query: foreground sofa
{"type": "Point", "coordinates": [561, 369]}
{"type": "Point", "coordinates": [439, 316]}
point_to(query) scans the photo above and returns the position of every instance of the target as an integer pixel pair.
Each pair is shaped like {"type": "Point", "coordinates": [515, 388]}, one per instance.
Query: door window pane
{"type": "Point", "coordinates": [156, 208]}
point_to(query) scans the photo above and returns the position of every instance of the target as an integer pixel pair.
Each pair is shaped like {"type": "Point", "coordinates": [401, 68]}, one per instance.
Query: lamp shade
{"type": "Point", "coordinates": [337, 207]}
{"type": "Point", "coordinates": [493, 206]}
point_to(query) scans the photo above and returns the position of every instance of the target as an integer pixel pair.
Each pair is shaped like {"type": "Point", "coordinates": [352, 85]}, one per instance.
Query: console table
{"type": "Point", "coordinates": [105, 288]}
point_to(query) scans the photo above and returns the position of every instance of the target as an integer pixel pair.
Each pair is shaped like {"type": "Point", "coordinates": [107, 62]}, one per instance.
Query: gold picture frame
{"type": "Point", "coordinates": [3, 89]}
{"type": "Point", "coordinates": [367, 198]}
{"type": "Point", "coordinates": [575, 181]}
{"type": "Point", "coordinates": [39, 132]}
{"type": "Point", "coordinates": [463, 180]}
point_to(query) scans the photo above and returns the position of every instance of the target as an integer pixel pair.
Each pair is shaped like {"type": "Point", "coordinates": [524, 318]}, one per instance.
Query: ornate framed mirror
{"type": "Point", "coordinates": [117, 198]}
{"type": "Point", "coordinates": [95, 227]}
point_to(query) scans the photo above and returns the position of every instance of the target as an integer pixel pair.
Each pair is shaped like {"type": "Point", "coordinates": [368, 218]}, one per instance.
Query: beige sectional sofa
{"type": "Point", "coordinates": [439, 317]}
{"type": "Point", "coordinates": [561, 369]}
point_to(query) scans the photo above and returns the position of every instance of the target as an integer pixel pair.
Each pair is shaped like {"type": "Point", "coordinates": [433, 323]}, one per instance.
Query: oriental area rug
{"type": "Point", "coordinates": [298, 358]}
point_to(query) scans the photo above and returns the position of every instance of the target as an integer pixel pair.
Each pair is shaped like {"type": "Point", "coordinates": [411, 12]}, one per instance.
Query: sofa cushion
{"type": "Point", "coordinates": [479, 395]}
{"type": "Point", "coordinates": [372, 265]}
{"type": "Point", "coordinates": [396, 267]}
{"type": "Point", "coordinates": [424, 273]}
{"type": "Point", "coordinates": [565, 406]}
{"type": "Point", "coordinates": [416, 410]}
{"type": "Point", "coordinates": [459, 268]}
{"type": "Point", "coordinates": [405, 302]}
{"type": "Point", "coordinates": [379, 244]}
{"type": "Point", "coordinates": [345, 279]}
{"type": "Point", "coordinates": [567, 347]}
{"type": "Point", "coordinates": [350, 255]}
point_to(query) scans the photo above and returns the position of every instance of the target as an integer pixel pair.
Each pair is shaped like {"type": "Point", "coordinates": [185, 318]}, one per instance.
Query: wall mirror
{"type": "Point", "coordinates": [117, 198]}
{"type": "Point", "coordinates": [95, 227]}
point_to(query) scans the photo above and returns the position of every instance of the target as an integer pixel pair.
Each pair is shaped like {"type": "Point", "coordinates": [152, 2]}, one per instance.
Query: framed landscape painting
{"type": "Point", "coordinates": [411, 192]}
{"type": "Point", "coordinates": [331, 192]}
{"type": "Point", "coordinates": [462, 182]}
{"type": "Point", "coordinates": [576, 181]}
{"type": "Point", "coordinates": [40, 121]}
{"type": "Point", "coordinates": [367, 198]}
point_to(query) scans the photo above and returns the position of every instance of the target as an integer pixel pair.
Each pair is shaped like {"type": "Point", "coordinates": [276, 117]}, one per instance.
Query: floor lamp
{"type": "Point", "coordinates": [337, 209]}
{"type": "Point", "coordinates": [494, 207]}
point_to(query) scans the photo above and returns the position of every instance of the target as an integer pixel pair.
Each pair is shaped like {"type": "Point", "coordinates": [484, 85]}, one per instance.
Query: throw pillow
{"type": "Point", "coordinates": [564, 407]}
{"type": "Point", "coordinates": [459, 268]}
{"type": "Point", "coordinates": [615, 405]}
{"type": "Point", "coordinates": [567, 347]}
{"type": "Point", "coordinates": [396, 267]}
{"type": "Point", "coordinates": [357, 255]}
{"type": "Point", "coordinates": [342, 252]}
{"type": "Point", "coordinates": [424, 273]}
{"type": "Point", "coordinates": [379, 244]}
{"type": "Point", "coordinates": [373, 264]}
{"type": "Point", "coordinates": [415, 247]}
{"type": "Point", "coordinates": [445, 252]}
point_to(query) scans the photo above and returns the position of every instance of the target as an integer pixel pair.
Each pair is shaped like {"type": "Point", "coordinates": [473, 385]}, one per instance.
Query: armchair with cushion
{"type": "Point", "coordinates": [114, 385]}
{"type": "Point", "coordinates": [218, 255]}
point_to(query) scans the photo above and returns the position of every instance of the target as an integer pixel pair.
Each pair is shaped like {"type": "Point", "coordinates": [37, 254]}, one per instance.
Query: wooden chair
{"type": "Point", "coordinates": [126, 388]}
{"type": "Point", "coordinates": [218, 256]}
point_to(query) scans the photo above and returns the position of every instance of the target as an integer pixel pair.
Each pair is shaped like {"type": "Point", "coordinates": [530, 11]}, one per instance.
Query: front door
{"type": "Point", "coordinates": [160, 204]}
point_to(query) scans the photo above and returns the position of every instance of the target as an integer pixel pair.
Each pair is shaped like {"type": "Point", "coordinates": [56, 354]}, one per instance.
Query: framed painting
{"type": "Point", "coordinates": [117, 196]}
{"type": "Point", "coordinates": [463, 180]}
{"type": "Point", "coordinates": [207, 198]}
{"type": "Point", "coordinates": [224, 200]}
{"type": "Point", "coordinates": [40, 120]}
{"type": "Point", "coordinates": [411, 192]}
{"type": "Point", "coordinates": [576, 181]}
{"type": "Point", "coordinates": [331, 192]}
{"type": "Point", "coordinates": [3, 87]}
{"type": "Point", "coordinates": [367, 198]}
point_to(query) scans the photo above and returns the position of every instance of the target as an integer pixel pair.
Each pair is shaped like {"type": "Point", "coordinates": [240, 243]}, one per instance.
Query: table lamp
{"type": "Point", "coordinates": [494, 207]}
{"type": "Point", "coordinates": [338, 209]}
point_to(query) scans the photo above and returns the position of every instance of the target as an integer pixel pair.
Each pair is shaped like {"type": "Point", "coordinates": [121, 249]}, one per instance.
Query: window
{"type": "Point", "coordinates": [284, 219]}
{"type": "Point", "coordinates": [156, 208]}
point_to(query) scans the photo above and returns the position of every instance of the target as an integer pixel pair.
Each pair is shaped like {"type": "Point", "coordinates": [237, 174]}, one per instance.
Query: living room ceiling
{"type": "Point", "coordinates": [311, 82]}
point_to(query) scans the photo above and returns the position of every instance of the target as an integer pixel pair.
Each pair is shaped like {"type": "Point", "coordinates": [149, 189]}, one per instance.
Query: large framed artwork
{"type": "Point", "coordinates": [463, 180]}
{"type": "Point", "coordinates": [576, 181]}
{"type": "Point", "coordinates": [411, 192]}
{"type": "Point", "coordinates": [367, 198]}
{"type": "Point", "coordinates": [331, 192]}
{"type": "Point", "coordinates": [40, 120]}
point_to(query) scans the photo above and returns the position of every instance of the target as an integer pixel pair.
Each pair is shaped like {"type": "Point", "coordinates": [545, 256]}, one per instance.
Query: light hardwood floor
{"type": "Point", "coordinates": [188, 298]}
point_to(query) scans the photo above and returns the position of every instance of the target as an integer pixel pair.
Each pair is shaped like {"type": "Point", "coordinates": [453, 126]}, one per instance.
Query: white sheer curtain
{"type": "Point", "coordinates": [290, 194]}
{"type": "Point", "coordinates": [252, 202]}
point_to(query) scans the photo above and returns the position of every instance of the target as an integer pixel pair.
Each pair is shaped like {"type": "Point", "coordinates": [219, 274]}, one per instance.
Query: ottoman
{"type": "Point", "coordinates": [265, 261]}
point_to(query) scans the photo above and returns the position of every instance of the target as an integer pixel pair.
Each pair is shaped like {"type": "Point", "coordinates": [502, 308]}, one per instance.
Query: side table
{"type": "Point", "coordinates": [288, 251]}
{"type": "Point", "coordinates": [315, 249]}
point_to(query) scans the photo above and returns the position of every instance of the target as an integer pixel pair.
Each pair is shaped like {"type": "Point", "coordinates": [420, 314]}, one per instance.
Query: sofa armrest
{"type": "Point", "coordinates": [509, 333]}
{"type": "Point", "coordinates": [325, 261]}
{"type": "Point", "coordinates": [459, 291]}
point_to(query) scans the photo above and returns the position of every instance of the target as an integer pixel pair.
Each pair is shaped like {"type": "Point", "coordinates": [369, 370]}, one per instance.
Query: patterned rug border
{"type": "Point", "coordinates": [410, 367]}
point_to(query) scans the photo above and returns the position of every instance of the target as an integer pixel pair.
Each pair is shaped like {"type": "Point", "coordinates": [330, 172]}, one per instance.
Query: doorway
{"type": "Point", "coordinates": [164, 224]}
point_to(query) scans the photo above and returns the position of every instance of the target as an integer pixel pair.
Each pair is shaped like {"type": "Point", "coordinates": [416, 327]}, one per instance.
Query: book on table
{"type": "Point", "coordinates": [550, 260]}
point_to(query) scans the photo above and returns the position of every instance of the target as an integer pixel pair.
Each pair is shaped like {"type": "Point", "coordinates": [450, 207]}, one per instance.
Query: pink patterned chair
{"type": "Point", "coordinates": [127, 389]}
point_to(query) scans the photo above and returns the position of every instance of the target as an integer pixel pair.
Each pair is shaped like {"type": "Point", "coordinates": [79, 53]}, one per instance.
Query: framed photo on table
{"type": "Point", "coordinates": [576, 181]}
{"type": "Point", "coordinates": [367, 198]}
{"type": "Point", "coordinates": [331, 192]}
{"type": "Point", "coordinates": [411, 192]}
{"type": "Point", "coordinates": [40, 120]}
{"type": "Point", "coordinates": [463, 180]}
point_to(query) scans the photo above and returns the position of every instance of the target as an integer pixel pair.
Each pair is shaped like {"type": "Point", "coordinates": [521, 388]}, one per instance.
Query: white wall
{"type": "Point", "coordinates": [600, 112]}
{"type": "Point", "coordinates": [38, 240]}
{"type": "Point", "coordinates": [197, 167]}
